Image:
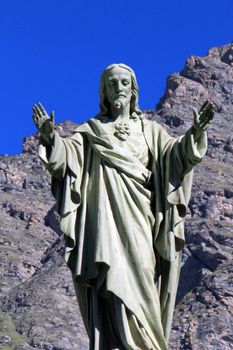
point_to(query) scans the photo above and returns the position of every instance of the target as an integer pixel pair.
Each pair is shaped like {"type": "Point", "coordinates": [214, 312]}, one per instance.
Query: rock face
{"type": "Point", "coordinates": [203, 317]}
{"type": "Point", "coordinates": [38, 303]}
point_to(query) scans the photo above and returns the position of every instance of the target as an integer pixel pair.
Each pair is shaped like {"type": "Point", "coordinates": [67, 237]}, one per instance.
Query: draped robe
{"type": "Point", "coordinates": [124, 250]}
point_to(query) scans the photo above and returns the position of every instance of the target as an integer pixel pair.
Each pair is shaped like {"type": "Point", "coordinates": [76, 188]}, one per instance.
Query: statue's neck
{"type": "Point", "coordinates": [121, 113]}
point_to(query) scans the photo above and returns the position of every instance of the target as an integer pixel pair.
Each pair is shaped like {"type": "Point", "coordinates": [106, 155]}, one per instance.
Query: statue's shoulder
{"type": "Point", "coordinates": [91, 127]}
{"type": "Point", "coordinates": [151, 124]}
{"type": "Point", "coordinates": [85, 126]}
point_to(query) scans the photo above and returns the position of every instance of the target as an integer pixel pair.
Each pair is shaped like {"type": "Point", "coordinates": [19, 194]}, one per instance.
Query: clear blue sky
{"type": "Point", "coordinates": [54, 51]}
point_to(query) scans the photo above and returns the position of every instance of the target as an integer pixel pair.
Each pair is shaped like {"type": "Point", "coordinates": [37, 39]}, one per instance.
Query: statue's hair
{"type": "Point", "coordinates": [104, 103]}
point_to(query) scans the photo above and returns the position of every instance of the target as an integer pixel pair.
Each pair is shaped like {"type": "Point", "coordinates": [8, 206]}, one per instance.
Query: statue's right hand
{"type": "Point", "coordinates": [43, 122]}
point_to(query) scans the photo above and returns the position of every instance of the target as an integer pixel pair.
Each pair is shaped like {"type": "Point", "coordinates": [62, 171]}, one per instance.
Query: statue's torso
{"type": "Point", "coordinates": [129, 136]}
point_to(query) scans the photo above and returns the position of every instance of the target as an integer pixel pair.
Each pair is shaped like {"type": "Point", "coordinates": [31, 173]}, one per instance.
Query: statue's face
{"type": "Point", "coordinates": [118, 87]}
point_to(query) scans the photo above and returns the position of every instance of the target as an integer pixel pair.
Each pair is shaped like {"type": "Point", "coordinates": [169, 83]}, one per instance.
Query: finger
{"type": "Point", "coordinates": [208, 108]}
{"type": "Point", "coordinates": [209, 116]}
{"type": "Point", "coordinates": [42, 109]}
{"type": "Point", "coordinates": [203, 116]}
{"type": "Point", "coordinates": [205, 119]}
{"type": "Point", "coordinates": [196, 117]}
{"type": "Point", "coordinates": [35, 119]}
{"type": "Point", "coordinates": [211, 111]}
{"type": "Point", "coordinates": [208, 113]}
{"type": "Point", "coordinates": [34, 116]}
{"type": "Point", "coordinates": [52, 116]}
{"type": "Point", "coordinates": [37, 111]}
{"type": "Point", "coordinates": [34, 109]}
{"type": "Point", "coordinates": [195, 113]}
{"type": "Point", "coordinates": [205, 104]}
{"type": "Point", "coordinates": [205, 124]}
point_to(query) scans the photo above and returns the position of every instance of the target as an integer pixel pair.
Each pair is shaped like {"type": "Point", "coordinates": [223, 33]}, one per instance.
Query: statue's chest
{"type": "Point", "coordinates": [129, 138]}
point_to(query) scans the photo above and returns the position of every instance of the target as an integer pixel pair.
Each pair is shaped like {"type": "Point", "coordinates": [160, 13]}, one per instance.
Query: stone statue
{"type": "Point", "coordinates": [122, 185]}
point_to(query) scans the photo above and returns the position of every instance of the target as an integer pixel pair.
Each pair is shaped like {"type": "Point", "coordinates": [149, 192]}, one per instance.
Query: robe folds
{"type": "Point", "coordinates": [123, 238]}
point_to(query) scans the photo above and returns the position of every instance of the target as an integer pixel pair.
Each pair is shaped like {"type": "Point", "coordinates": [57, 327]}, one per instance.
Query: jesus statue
{"type": "Point", "coordinates": [122, 185]}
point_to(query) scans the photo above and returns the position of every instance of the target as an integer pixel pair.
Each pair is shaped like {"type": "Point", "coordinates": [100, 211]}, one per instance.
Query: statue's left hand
{"type": "Point", "coordinates": [202, 118]}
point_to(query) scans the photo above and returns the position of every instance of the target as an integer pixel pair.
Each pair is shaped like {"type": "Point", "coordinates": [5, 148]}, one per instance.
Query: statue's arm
{"type": "Point", "coordinates": [188, 150]}
{"type": "Point", "coordinates": [193, 145]}
{"type": "Point", "coordinates": [52, 148]}
{"type": "Point", "coordinates": [195, 140]}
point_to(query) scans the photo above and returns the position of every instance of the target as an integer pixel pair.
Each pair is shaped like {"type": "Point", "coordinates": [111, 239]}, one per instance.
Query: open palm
{"type": "Point", "coordinates": [43, 122]}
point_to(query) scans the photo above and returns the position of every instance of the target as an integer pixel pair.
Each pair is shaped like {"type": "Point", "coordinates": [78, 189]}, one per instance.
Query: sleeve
{"type": "Point", "coordinates": [54, 157]}
{"type": "Point", "coordinates": [64, 155]}
{"type": "Point", "coordinates": [191, 151]}
{"type": "Point", "coordinates": [184, 152]}
{"type": "Point", "coordinates": [177, 159]}
{"type": "Point", "coordinates": [64, 160]}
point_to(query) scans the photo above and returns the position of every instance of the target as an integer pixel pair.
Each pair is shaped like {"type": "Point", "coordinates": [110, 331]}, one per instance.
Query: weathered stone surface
{"type": "Point", "coordinates": [37, 298]}
{"type": "Point", "coordinates": [38, 305]}
{"type": "Point", "coordinates": [203, 320]}
{"type": "Point", "coordinates": [203, 317]}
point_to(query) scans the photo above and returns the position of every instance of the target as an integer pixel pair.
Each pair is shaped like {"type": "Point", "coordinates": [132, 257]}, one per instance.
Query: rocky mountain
{"type": "Point", "coordinates": [37, 299]}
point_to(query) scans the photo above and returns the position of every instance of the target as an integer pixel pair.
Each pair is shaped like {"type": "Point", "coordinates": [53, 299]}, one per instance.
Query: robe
{"type": "Point", "coordinates": [123, 247]}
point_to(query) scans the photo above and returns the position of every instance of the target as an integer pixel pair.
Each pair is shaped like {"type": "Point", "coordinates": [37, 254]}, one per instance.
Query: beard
{"type": "Point", "coordinates": [121, 102]}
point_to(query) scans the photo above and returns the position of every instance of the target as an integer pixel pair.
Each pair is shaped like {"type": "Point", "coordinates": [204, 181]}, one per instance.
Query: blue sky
{"type": "Point", "coordinates": [54, 51]}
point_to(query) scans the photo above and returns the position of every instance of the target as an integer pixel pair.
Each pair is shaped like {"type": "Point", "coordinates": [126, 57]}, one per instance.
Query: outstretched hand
{"type": "Point", "coordinates": [202, 118]}
{"type": "Point", "coordinates": [43, 122]}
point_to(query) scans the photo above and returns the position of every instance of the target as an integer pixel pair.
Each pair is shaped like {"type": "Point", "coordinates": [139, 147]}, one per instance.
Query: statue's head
{"type": "Point", "coordinates": [105, 89]}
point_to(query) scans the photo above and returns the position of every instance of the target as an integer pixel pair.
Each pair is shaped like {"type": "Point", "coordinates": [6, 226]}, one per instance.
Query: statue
{"type": "Point", "coordinates": [122, 185]}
